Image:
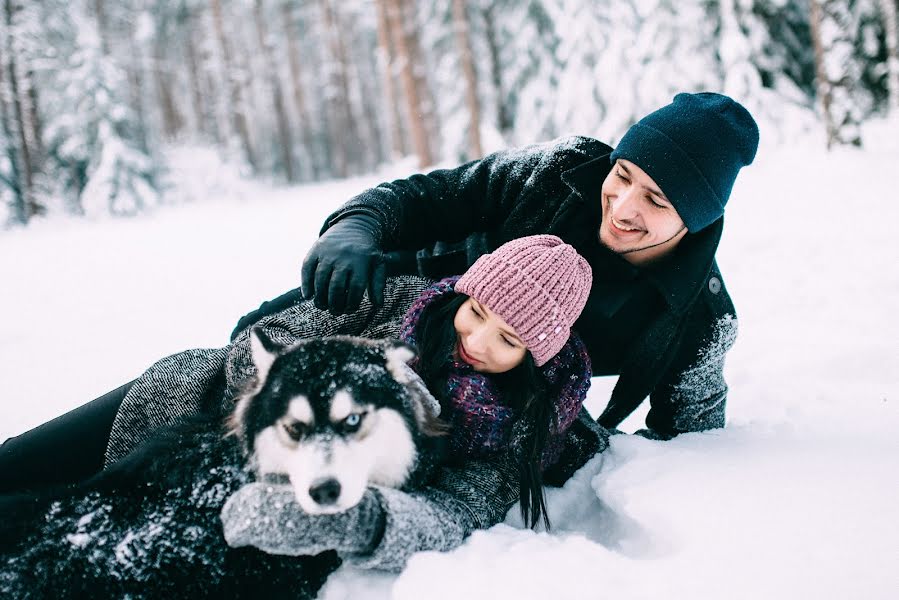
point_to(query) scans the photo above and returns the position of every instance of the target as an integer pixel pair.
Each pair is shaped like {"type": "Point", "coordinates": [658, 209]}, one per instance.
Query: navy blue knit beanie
{"type": "Point", "coordinates": [693, 149]}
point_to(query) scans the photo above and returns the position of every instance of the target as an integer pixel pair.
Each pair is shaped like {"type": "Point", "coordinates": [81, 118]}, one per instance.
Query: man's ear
{"type": "Point", "coordinates": [264, 352]}
{"type": "Point", "coordinates": [398, 354]}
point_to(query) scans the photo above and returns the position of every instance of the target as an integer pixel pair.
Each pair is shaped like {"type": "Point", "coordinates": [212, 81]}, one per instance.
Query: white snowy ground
{"type": "Point", "coordinates": [796, 498]}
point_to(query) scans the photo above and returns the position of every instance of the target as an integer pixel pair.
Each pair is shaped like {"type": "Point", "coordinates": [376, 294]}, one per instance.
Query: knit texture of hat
{"type": "Point", "coordinates": [693, 149]}
{"type": "Point", "coordinates": [536, 284]}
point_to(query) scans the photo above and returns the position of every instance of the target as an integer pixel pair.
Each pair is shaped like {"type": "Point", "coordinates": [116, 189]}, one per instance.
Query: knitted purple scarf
{"type": "Point", "coordinates": [481, 423]}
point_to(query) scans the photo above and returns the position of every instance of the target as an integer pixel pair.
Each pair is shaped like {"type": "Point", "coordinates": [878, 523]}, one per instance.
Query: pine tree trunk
{"type": "Point", "coordinates": [12, 182]}
{"type": "Point", "coordinates": [460, 22]}
{"type": "Point", "coordinates": [309, 166]}
{"type": "Point", "coordinates": [363, 77]}
{"type": "Point", "coordinates": [193, 74]}
{"type": "Point", "coordinates": [102, 25]}
{"type": "Point", "coordinates": [890, 27]}
{"type": "Point", "coordinates": [391, 115]}
{"type": "Point", "coordinates": [172, 122]}
{"type": "Point", "coordinates": [35, 128]}
{"type": "Point", "coordinates": [428, 105]}
{"type": "Point", "coordinates": [417, 125]}
{"type": "Point", "coordinates": [25, 206]}
{"type": "Point", "coordinates": [833, 82]}
{"type": "Point", "coordinates": [274, 85]}
{"type": "Point", "coordinates": [345, 133]}
{"type": "Point", "coordinates": [238, 120]}
{"type": "Point", "coordinates": [503, 114]}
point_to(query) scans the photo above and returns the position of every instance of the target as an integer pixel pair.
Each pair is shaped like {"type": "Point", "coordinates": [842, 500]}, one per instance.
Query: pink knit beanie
{"type": "Point", "coordinates": [537, 284]}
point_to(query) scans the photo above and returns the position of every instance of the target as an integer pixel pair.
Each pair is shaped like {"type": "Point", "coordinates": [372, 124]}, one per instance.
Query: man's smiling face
{"type": "Point", "coordinates": [638, 220]}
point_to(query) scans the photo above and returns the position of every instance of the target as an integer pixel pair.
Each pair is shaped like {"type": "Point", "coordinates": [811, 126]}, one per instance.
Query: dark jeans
{"type": "Point", "coordinates": [68, 449]}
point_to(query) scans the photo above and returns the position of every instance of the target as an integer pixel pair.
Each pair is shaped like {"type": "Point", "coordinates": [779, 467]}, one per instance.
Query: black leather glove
{"type": "Point", "coordinates": [344, 262]}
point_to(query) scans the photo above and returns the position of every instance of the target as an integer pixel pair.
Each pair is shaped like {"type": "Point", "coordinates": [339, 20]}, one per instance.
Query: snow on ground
{"type": "Point", "coordinates": [797, 497]}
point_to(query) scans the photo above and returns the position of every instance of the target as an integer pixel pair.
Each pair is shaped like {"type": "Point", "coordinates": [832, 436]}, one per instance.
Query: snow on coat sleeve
{"type": "Point", "coordinates": [693, 395]}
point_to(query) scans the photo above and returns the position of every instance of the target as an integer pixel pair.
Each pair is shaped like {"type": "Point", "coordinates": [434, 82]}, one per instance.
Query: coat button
{"type": "Point", "coordinates": [714, 285]}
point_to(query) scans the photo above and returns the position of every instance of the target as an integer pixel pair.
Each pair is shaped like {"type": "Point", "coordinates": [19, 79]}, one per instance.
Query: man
{"type": "Point", "coordinates": [647, 215]}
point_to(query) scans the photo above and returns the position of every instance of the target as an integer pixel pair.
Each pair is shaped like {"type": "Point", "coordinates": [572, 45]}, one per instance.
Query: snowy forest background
{"type": "Point", "coordinates": [93, 92]}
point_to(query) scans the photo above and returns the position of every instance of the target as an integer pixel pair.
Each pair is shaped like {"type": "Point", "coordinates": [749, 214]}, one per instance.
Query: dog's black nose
{"type": "Point", "coordinates": [325, 491]}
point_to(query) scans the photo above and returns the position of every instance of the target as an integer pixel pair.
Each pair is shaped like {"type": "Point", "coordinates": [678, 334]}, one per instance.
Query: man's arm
{"type": "Point", "coordinates": [449, 204]}
{"type": "Point", "coordinates": [692, 394]}
{"type": "Point", "coordinates": [487, 195]}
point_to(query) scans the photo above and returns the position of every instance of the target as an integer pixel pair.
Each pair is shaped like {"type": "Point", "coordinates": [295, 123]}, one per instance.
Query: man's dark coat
{"type": "Point", "coordinates": [664, 329]}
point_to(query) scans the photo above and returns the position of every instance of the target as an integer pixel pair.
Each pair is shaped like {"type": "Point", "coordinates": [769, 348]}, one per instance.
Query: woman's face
{"type": "Point", "coordinates": [485, 341]}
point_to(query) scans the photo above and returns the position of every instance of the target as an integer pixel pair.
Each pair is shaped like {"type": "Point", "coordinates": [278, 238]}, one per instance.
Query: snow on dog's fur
{"type": "Point", "coordinates": [332, 415]}
{"type": "Point", "coordinates": [340, 430]}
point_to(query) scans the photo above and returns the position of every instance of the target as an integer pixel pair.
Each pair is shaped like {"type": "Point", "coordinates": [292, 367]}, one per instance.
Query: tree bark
{"type": "Point", "coordinates": [235, 107]}
{"type": "Point", "coordinates": [391, 116]}
{"type": "Point", "coordinates": [187, 20]}
{"type": "Point", "coordinates": [25, 206]}
{"type": "Point", "coordinates": [415, 110]}
{"type": "Point", "coordinates": [274, 85]}
{"type": "Point", "coordinates": [840, 123]}
{"type": "Point", "coordinates": [310, 165]}
{"type": "Point", "coordinates": [345, 132]}
{"type": "Point", "coordinates": [503, 114]}
{"type": "Point", "coordinates": [102, 25]}
{"type": "Point", "coordinates": [890, 27]}
{"type": "Point", "coordinates": [460, 23]}
{"type": "Point", "coordinates": [428, 104]}
{"type": "Point", "coordinates": [172, 122]}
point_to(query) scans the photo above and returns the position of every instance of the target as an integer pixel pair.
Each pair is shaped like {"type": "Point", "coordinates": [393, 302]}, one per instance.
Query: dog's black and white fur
{"type": "Point", "coordinates": [332, 415]}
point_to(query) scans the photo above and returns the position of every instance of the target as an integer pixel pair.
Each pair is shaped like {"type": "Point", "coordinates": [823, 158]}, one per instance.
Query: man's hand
{"type": "Point", "coordinates": [344, 262]}
{"type": "Point", "coordinates": [267, 516]}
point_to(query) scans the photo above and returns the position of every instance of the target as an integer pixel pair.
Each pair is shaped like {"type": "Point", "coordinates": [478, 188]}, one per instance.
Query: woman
{"type": "Point", "coordinates": [495, 348]}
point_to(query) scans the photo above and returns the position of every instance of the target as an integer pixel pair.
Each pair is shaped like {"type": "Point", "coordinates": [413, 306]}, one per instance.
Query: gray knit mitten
{"type": "Point", "coordinates": [267, 516]}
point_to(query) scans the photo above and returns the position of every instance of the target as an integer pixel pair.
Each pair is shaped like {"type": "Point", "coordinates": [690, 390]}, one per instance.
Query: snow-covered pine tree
{"type": "Point", "coordinates": [621, 59]}
{"type": "Point", "coordinates": [91, 135]}
{"type": "Point", "coordinates": [761, 57]}
{"type": "Point", "coordinates": [890, 14]}
{"type": "Point", "coordinates": [871, 57]}
{"type": "Point", "coordinates": [838, 73]}
{"type": "Point", "coordinates": [521, 41]}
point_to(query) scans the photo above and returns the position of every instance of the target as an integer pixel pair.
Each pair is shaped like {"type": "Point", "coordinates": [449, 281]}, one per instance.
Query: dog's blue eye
{"type": "Point", "coordinates": [352, 422]}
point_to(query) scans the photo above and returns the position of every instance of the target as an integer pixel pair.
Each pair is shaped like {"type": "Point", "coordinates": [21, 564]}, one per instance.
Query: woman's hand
{"type": "Point", "coordinates": [267, 516]}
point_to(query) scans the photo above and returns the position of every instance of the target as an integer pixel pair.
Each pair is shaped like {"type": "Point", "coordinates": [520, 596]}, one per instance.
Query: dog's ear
{"type": "Point", "coordinates": [263, 350]}
{"type": "Point", "coordinates": [397, 354]}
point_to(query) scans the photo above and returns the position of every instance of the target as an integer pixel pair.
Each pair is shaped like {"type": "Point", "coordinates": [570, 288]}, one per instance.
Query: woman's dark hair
{"type": "Point", "coordinates": [523, 389]}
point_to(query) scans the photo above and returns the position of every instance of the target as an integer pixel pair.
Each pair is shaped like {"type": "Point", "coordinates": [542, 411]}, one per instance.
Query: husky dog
{"type": "Point", "coordinates": [331, 415]}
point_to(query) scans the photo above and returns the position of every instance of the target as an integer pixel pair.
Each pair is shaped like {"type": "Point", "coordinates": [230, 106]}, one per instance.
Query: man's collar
{"type": "Point", "coordinates": [679, 277]}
